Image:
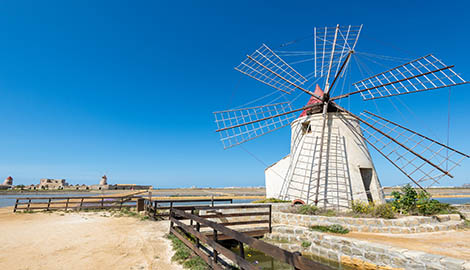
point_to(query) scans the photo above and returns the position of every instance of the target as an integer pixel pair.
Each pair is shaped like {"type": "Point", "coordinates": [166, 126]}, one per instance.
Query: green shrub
{"type": "Point", "coordinates": [383, 211]}
{"type": "Point", "coordinates": [405, 201]}
{"type": "Point", "coordinates": [308, 210]}
{"type": "Point", "coordinates": [360, 207]}
{"type": "Point", "coordinates": [408, 201]}
{"type": "Point", "coordinates": [270, 200]}
{"type": "Point", "coordinates": [335, 228]}
{"type": "Point", "coordinates": [306, 244]}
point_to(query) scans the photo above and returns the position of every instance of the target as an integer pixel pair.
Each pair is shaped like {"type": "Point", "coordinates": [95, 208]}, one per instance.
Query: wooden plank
{"type": "Point", "coordinates": [192, 200]}
{"type": "Point", "coordinates": [222, 215]}
{"type": "Point", "coordinates": [254, 233]}
{"type": "Point", "coordinates": [216, 246]}
{"type": "Point", "coordinates": [241, 223]}
{"type": "Point", "coordinates": [197, 251]}
{"type": "Point", "coordinates": [283, 255]}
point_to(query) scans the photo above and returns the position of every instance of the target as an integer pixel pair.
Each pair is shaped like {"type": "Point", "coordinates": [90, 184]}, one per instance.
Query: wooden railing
{"type": "Point", "coordinates": [74, 203]}
{"type": "Point", "coordinates": [209, 249]}
{"type": "Point", "coordinates": [161, 208]}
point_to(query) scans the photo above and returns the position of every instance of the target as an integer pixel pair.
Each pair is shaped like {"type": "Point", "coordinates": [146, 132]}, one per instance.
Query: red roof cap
{"type": "Point", "coordinates": [313, 100]}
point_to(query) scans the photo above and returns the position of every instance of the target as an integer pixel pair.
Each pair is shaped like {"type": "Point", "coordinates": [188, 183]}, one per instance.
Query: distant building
{"type": "Point", "coordinates": [8, 181]}
{"type": "Point", "coordinates": [103, 185]}
{"type": "Point", "coordinates": [104, 180]}
{"type": "Point", "coordinates": [47, 183]}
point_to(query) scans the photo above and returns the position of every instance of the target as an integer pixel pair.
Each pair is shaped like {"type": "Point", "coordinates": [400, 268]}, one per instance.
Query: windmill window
{"type": "Point", "coordinates": [306, 127]}
{"type": "Point", "coordinates": [366, 174]}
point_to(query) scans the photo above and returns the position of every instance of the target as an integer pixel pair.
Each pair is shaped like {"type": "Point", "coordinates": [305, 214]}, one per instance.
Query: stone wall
{"type": "Point", "coordinates": [411, 224]}
{"type": "Point", "coordinates": [358, 254]}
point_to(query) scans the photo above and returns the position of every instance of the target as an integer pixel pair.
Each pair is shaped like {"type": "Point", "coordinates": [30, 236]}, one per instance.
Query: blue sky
{"type": "Point", "coordinates": [127, 88]}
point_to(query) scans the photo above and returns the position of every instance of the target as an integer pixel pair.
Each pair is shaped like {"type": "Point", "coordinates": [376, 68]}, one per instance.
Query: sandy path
{"type": "Point", "coordinates": [82, 241]}
{"type": "Point", "coordinates": [452, 243]}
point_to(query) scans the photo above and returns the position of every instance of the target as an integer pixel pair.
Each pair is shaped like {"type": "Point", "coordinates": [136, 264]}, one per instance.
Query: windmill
{"type": "Point", "coordinates": [329, 164]}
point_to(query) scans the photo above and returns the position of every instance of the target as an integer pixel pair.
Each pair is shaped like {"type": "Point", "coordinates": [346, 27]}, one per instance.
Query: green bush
{"type": "Point", "coordinates": [383, 211]}
{"type": "Point", "coordinates": [360, 207]}
{"type": "Point", "coordinates": [306, 244]}
{"type": "Point", "coordinates": [405, 201]}
{"type": "Point", "coordinates": [335, 228]}
{"type": "Point", "coordinates": [308, 210]}
{"type": "Point", "coordinates": [270, 200]}
{"type": "Point", "coordinates": [408, 201]}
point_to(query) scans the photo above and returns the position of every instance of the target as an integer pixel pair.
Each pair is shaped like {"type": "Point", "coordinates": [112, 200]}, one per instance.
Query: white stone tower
{"type": "Point", "coordinates": [346, 171]}
{"type": "Point", "coordinates": [104, 181]}
{"type": "Point", "coordinates": [8, 181]}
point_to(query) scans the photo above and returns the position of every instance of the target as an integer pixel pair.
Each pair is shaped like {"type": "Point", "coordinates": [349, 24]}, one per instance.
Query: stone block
{"type": "Point", "coordinates": [452, 264]}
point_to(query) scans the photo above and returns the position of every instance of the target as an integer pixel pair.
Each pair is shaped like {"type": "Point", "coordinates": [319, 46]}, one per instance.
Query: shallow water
{"type": "Point", "coordinates": [10, 199]}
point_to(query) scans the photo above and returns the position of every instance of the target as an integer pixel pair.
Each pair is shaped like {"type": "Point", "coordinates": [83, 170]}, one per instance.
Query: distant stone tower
{"type": "Point", "coordinates": [104, 181]}
{"type": "Point", "coordinates": [8, 181]}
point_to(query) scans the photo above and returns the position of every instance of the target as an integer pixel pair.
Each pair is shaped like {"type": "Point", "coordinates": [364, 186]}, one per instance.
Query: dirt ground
{"type": "Point", "coordinates": [452, 243]}
{"type": "Point", "coordinates": [85, 240]}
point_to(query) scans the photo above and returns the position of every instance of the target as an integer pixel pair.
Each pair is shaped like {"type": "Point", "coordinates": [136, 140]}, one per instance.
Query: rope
{"type": "Point", "coordinates": [259, 160]}
{"type": "Point", "coordinates": [448, 128]}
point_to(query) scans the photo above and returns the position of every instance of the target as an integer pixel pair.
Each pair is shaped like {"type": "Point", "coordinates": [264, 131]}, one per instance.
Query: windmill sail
{"type": "Point", "coordinates": [422, 74]}
{"type": "Point", "coordinates": [331, 47]}
{"type": "Point", "coordinates": [241, 125]}
{"type": "Point", "coordinates": [420, 158]}
{"type": "Point", "coordinates": [267, 67]}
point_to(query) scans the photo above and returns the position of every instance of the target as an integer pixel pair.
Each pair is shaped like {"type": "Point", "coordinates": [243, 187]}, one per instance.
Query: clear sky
{"type": "Point", "coordinates": [127, 88]}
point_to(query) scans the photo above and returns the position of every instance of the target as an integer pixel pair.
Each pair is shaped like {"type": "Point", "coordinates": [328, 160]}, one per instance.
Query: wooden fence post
{"type": "Point", "coordinates": [297, 254]}
{"type": "Point", "coordinates": [16, 205]}
{"type": "Point", "coordinates": [270, 219]}
{"type": "Point", "coordinates": [155, 210]}
{"type": "Point", "coordinates": [81, 203]}
{"type": "Point", "coordinates": [191, 221]}
{"type": "Point", "coordinates": [172, 214]}
{"type": "Point", "coordinates": [48, 204]}
{"type": "Point", "coordinates": [198, 228]}
{"type": "Point", "coordinates": [29, 203]}
{"type": "Point", "coordinates": [242, 250]}
{"type": "Point", "coordinates": [67, 204]}
{"type": "Point", "coordinates": [216, 253]}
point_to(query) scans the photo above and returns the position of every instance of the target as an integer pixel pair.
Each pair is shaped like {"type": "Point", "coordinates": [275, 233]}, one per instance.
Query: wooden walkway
{"type": "Point", "coordinates": [209, 248]}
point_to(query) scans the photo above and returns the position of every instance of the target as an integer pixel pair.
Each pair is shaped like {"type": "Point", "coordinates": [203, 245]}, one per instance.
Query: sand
{"type": "Point", "coordinates": [84, 240]}
{"type": "Point", "coordinates": [451, 243]}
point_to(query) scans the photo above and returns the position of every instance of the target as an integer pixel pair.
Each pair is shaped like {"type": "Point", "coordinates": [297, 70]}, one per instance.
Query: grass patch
{"type": "Point", "coordinates": [335, 228]}
{"type": "Point", "coordinates": [270, 200]}
{"type": "Point", "coordinates": [184, 256]}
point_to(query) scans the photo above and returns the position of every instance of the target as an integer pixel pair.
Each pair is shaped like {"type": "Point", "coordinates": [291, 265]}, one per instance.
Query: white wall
{"type": "Point", "coordinates": [351, 153]}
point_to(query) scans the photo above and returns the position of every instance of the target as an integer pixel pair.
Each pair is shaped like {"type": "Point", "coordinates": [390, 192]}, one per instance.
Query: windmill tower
{"type": "Point", "coordinates": [329, 164]}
